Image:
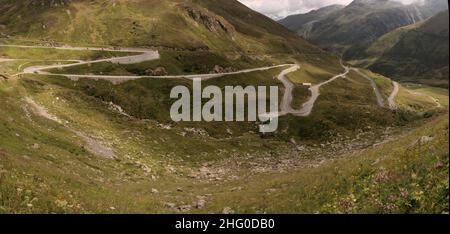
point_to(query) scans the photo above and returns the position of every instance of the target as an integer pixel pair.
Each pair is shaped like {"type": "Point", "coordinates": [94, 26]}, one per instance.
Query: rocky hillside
{"type": "Point", "coordinates": [361, 22]}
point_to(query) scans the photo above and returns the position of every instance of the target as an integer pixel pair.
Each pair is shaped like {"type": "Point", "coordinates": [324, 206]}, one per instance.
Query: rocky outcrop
{"type": "Point", "coordinates": [219, 69]}
{"type": "Point", "coordinates": [159, 71]}
{"type": "Point", "coordinates": [3, 77]}
{"type": "Point", "coordinates": [211, 21]}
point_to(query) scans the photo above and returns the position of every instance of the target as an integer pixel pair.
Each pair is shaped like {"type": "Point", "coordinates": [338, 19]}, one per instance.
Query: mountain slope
{"type": "Point", "coordinates": [363, 21]}
{"type": "Point", "coordinates": [220, 26]}
{"type": "Point", "coordinates": [417, 52]}
{"type": "Point", "coordinates": [298, 23]}
{"type": "Point", "coordinates": [88, 145]}
{"type": "Point", "coordinates": [194, 36]}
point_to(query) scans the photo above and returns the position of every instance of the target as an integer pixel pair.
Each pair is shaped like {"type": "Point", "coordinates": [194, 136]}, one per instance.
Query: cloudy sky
{"type": "Point", "coordinates": [281, 8]}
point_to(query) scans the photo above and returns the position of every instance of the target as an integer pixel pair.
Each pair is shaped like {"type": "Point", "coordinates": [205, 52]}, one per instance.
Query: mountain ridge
{"type": "Point", "coordinates": [417, 52]}
{"type": "Point", "coordinates": [103, 141]}
{"type": "Point", "coordinates": [154, 23]}
{"type": "Point", "coordinates": [362, 22]}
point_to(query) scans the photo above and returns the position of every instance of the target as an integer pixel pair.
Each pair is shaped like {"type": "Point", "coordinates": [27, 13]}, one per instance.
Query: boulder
{"type": "Point", "coordinates": [218, 69]}
{"type": "Point", "coordinates": [228, 210]}
{"type": "Point", "coordinates": [425, 139]}
{"type": "Point", "coordinates": [159, 71]}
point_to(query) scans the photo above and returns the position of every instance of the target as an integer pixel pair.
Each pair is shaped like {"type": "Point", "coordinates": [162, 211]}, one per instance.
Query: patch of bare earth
{"type": "Point", "coordinates": [92, 145]}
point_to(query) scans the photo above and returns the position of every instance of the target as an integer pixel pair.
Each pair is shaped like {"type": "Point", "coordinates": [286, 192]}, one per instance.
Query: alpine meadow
{"type": "Point", "coordinates": [340, 110]}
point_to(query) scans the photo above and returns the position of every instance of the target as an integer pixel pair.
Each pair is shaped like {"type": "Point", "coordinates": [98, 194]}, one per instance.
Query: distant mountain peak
{"type": "Point", "coordinates": [374, 3]}
{"type": "Point", "coordinates": [328, 8]}
{"type": "Point", "coordinates": [369, 1]}
{"type": "Point", "coordinates": [360, 22]}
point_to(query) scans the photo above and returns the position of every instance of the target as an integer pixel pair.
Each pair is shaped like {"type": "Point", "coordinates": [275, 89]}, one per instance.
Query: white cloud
{"type": "Point", "coordinates": [280, 8]}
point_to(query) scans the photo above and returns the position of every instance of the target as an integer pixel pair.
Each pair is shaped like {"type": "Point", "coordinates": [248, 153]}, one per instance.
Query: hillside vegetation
{"type": "Point", "coordinates": [224, 27]}
{"type": "Point", "coordinates": [359, 23]}
{"type": "Point", "coordinates": [418, 52]}
{"type": "Point", "coordinates": [88, 145]}
{"type": "Point", "coordinates": [45, 167]}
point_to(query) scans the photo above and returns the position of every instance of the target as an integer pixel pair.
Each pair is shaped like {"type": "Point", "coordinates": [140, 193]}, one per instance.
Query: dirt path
{"type": "Point", "coordinates": [90, 144]}
{"type": "Point", "coordinates": [2, 60]}
{"type": "Point", "coordinates": [391, 99]}
{"type": "Point", "coordinates": [40, 110]}
{"type": "Point", "coordinates": [438, 104]}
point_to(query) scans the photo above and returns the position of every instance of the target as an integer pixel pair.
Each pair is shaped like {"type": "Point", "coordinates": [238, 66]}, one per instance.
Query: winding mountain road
{"type": "Point", "coordinates": [145, 55]}
{"type": "Point", "coordinates": [142, 56]}
{"type": "Point", "coordinates": [149, 55]}
{"type": "Point", "coordinates": [122, 78]}
{"type": "Point", "coordinates": [380, 99]}
{"type": "Point", "coordinates": [286, 104]}
{"type": "Point", "coordinates": [315, 93]}
{"type": "Point", "coordinates": [67, 47]}
{"type": "Point", "coordinates": [307, 107]}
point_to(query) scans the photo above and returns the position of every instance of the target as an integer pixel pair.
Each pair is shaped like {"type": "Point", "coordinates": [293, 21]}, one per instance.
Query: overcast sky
{"type": "Point", "coordinates": [280, 8]}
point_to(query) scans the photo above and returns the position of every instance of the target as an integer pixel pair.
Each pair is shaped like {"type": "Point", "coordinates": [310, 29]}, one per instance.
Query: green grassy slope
{"type": "Point", "coordinates": [299, 23]}
{"type": "Point", "coordinates": [159, 166]}
{"type": "Point", "coordinates": [401, 176]}
{"type": "Point", "coordinates": [416, 53]}
{"type": "Point", "coordinates": [44, 167]}
{"type": "Point", "coordinates": [193, 36]}
{"type": "Point", "coordinates": [173, 62]}
{"type": "Point", "coordinates": [224, 27]}
{"type": "Point", "coordinates": [360, 22]}
{"type": "Point", "coordinates": [149, 98]}
{"type": "Point", "coordinates": [345, 107]}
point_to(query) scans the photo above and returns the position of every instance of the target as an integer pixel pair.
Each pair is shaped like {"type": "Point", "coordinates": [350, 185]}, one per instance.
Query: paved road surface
{"type": "Point", "coordinates": [148, 55]}
{"type": "Point", "coordinates": [380, 99]}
